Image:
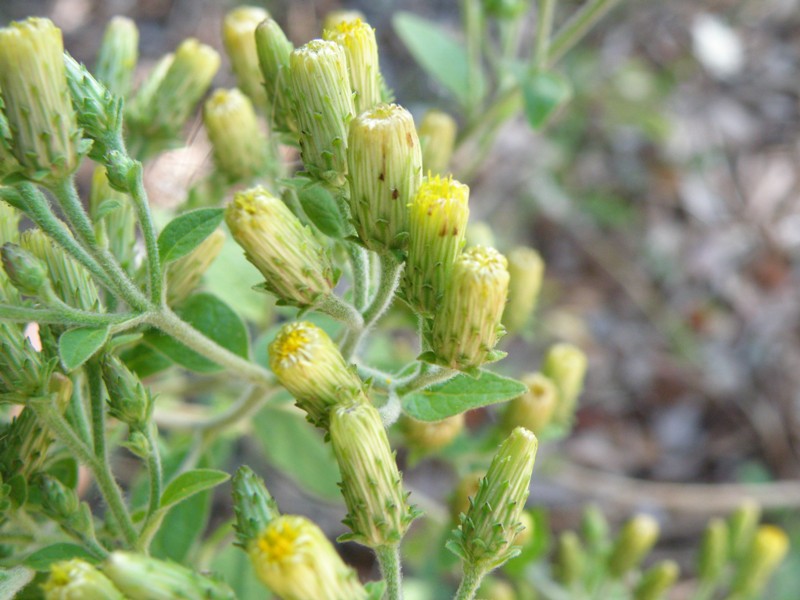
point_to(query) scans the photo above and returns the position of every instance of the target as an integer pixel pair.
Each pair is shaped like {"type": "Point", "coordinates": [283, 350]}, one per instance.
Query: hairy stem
{"type": "Point", "coordinates": [139, 195]}
{"type": "Point", "coordinates": [66, 315]}
{"type": "Point", "coordinates": [156, 479]}
{"type": "Point", "coordinates": [389, 561]}
{"type": "Point", "coordinates": [98, 409]}
{"type": "Point", "coordinates": [427, 376]}
{"type": "Point", "coordinates": [340, 310]}
{"type": "Point", "coordinates": [469, 583]}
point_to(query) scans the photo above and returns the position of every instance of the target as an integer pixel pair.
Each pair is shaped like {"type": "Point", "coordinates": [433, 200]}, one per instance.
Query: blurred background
{"type": "Point", "coordinates": [664, 200]}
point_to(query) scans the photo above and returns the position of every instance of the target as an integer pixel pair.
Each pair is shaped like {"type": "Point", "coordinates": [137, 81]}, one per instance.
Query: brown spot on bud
{"type": "Point", "coordinates": [410, 139]}
{"type": "Point", "coordinates": [381, 177]}
{"type": "Point", "coordinates": [395, 194]}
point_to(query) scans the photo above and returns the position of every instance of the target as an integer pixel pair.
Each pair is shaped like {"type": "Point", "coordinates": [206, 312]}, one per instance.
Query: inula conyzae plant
{"type": "Point", "coordinates": [386, 328]}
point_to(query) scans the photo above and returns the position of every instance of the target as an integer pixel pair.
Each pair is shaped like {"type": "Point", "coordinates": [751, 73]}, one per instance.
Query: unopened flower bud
{"type": "Point", "coordinates": [378, 513]}
{"type": "Point", "coordinates": [534, 409]}
{"type": "Point", "coordinates": [657, 581]}
{"type": "Point", "coordinates": [424, 436]}
{"type": "Point", "coordinates": [742, 527]}
{"type": "Point", "coordinates": [714, 551]}
{"type": "Point", "coordinates": [565, 365]}
{"type": "Point", "coordinates": [437, 134]}
{"type": "Point", "coordinates": [485, 538]}
{"type": "Point", "coordinates": [142, 577]}
{"type": "Point", "coordinates": [296, 267]}
{"type": "Point", "coordinates": [240, 147]}
{"type": "Point", "coordinates": [128, 400]}
{"type": "Point", "coordinates": [183, 275]}
{"type": "Point", "coordinates": [466, 325]}
{"type": "Point", "coordinates": [357, 38]}
{"type": "Point", "coordinates": [525, 270]}
{"type": "Point", "coordinates": [637, 538]}
{"type": "Point", "coordinates": [570, 559]}
{"type": "Point", "coordinates": [274, 50]}
{"type": "Point", "coordinates": [337, 17]}
{"type": "Point", "coordinates": [78, 580]}
{"type": "Point", "coordinates": [295, 560]}
{"type": "Point", "coordinates": [385, 171]}
{"type": "Point", "coordinates": [114, 218]}
{"type": "Point", "coordinates": [25, 444]}
{"type": "Point", "coordinates": [308, 364]}
{"type": "Point", "coordinates": [437, 221]}
{"type": "Point", "coordinates": [37, 102]}
{"type": "Point", "coordinates": [253, 505]}
{"type": "Point", "coordinates": [25, 271]}
{"type": "Point", "coordinates": [594, 528]}
{"type": "Point", "coordinates": [21, 366]}
{"type": "Point", "coordinates": [323, 108]}
{"type": "Point", "coordinates": [117, 56]}
{"type": "Point", "coordinates": [58, 501]}
{"type": "Point", "coordinates": [238, 34]}
{"type": "Point", "coordinates": [765, 554]}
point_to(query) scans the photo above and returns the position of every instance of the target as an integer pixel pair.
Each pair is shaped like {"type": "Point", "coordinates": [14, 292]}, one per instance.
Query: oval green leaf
{"type": "Point", "coordinates": [320, 207]}
{"type": "Point", "coordinates": [184, 233]}
{"type": "Point", "coordinates": [190, 483]}
{"type": "Point", "coordinates": [543, 93]}
{"type": "Point", "coordinates": [76, 346]}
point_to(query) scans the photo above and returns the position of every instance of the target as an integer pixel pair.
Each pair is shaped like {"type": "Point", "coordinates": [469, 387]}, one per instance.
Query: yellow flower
{"type": "Point", "coordinates": [357, 39]}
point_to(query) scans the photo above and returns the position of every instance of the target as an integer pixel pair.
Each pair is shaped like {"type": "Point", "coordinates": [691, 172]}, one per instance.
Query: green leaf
{"type": "Point", "coordinates": [184, 233]}
{"type": "Point", "coordinates": [542, 94]}
{"type": "Point", "coordinates": [43, 558]}
{"type": "Point", "coordinates": [320, 207]}
{"type": "Point", "coordinates": [460, 394]}
{"type": "Point", "coordinates": [211, 317]}
{"type": "Point", "coordinates": [13, 580]}
{"type": "Point", "coordinates": [76, 346]}
{"type": "Point", "coordinates": [145, 361]}
{"type": "Point", "coordinates": [190, 483]}
{"type": "Point", "coordinates": [436, 51]}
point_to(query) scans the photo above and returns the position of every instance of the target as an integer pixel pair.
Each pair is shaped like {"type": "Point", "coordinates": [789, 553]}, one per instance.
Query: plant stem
{"type": "Point", "coordinates": [156, 475]}
{"type": "Point", "coordinates": [544, 27]}
{"type": "Point", "coordinates": [469, 583]}
{"type": "Point", "coordinates": [340, 310]}
{"type": "Point", "coordinates": [98, 411]}
{"type": "Point", "coordinates": [139, 195]}
{"type": "Point", "coordinates": [65, 316]}
{"type": "Point", "coordinates": [389, 561]}
{"type": "Point", "coordinates": [361, 275]}
{"type": "Point", "coordinates": [428, 375]}
{"type": "Point", "coordinates": [574, 29]}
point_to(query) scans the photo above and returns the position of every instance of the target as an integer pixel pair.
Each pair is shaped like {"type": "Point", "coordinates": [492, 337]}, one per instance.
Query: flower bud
{"type": "Point", "coordinates": [114, 218]}
{"type": "Point", "coordinates": [656, 581]}
{"type": "Point", "coordinates": [25, 271]}
{"type": "Point", "coordinates": [141, 577]}
{"type": "Point", "coordinates": [58, 501]}
{"type": "Point", "coordinates": [594, 528]}
{"type": "Point", "coordinates": [713, 551]}
{"type": "Point", "coordinates": [385, 171]}
{"type": "Point", "coordinates": [424, 436]}
{"type": "Point", "coordinates": [570, 559]}
{"type": "Point", "coordinates": [565, 365]}
{"type": "Point", "coordinates": [240, 147]}
{"type": "Point", "coordinates": [637, 538]}
{"type": "Point", "coordinates": [337, 17]}
{"type": "Point", "coordinates": [323, 107]}
{"type": "Point", "coordinates": [253, 505]}
{"type": "Point", "coordinates": [78, 580]}
{"type": "Point", "coordinates": [437, 220]}
{"type": "Point", "coordinates": [485, 538]}
{"type": "Point", "coordinates": [273, 57]}
{"type": "Point", "coordinates": [21, 366]}
{"type": "Point", "coordinates": [37, 103]}
{"type": "Point", "coordinates": [742, 527]}
{"type": "Point", "coordinates": [378, 513]}
{"type": "Point", "coordinates": [765, 554]}
{"type": "Point", "coordinates": [525, 270]}
{"type": "Point", "coordinates": [310, 366]}
{"type": "Point", "coordinates": [128, 400]}
{"type": "Point", "coordinates": [183, 275]}
{"type": "Point", "coordinates": [437, 134]}
{"type": "Point", "coordinates": [534, 409]}
{"type": "Point", "coordinates": [357, 39]}
{"type": "Point", "coordinates": [296, 267]}
{"type": "Point", "coordinates": [466, 325]}
{"type": "Point", "coordinates": [117, 56]}
{"type": "Point", "coordinates": [238, 34]}
{"type": "Point", "coordinates": [295, 560]}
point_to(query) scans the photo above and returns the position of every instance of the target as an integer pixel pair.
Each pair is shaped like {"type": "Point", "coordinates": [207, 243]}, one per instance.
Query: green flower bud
{"type": "Point", "coordinates": [713, 551]}
{"type": "Point", "coordinates": [253, 505]}
{"type": "Point", "coordinates": [742, 527]}
{"type": "Point", "coordinates": [238, 34]}
{"type": "Point", "coordinates": [22, 368]}
{"type": "Point", "coordinates": [310, 366]}
{"type": "Point", "coordinates": [141, 577]}
{"type": "Point", "coordinates": [466, 489]}
{"type": "Point", "coordinates": [25, 271]}
{"type": "Point", "coordinates": [128, 400]}
{"type": "Point", "coordinates": [570, 559]}
{"type": "Point", "coordinates": [336, 17]}
{"type": "Point", "coordinates": [385, 165]}
{"type": "Point", "coordinates": [634, 542]}
{"type": "Point", "coordinates": [37, 104]}
{"type": "Point", "coordinates": [357, 39]}
{"type": "Point", "coordinates": [466, 325]}
{"type": "Point", "coordinates": [378, 513]}
{"type": "Point", "coordinates": [183, 275]}
{"type": "Point", "coordinates": [296, 267]}
{"type": "Point", "coordinates": [525, 270]}
{"type": "Point", "coordinates": [565, 365]}
{"type": "Point", "coordinates": [240, 147]}
{"type": "Point", "coordinates": [437, 133]}
{"type": "Point", "coordinates": [273, 57]}
{"type": "Point", "coordinates": [655, 583]}
{"type": "Point", "coordinates": [594, 528]}
{"type": "Point", "coordinates": [437, 220]}
{"type": "Point", "coordinates": [62, 505]}
{"type": "Point", "coordinates": [118, 55]}
{"type": "Point", "coordinates": [114, 217]}
{"type": "Point", "coordinates": [423, 436]}
{"type": "Point", "coordinates": [323, 107]}
{"type": "Point", "coordinates": [485, 538]}
{"type": "Point", "coordinates": [769, 547]}
{"type": "Point", "coordinates": [78, 580]}
{"type": "Point", "coordinates": [479, 233]}
{"type": "Point", "coordinates": [534, 409]}
{"type": "Point", "coordinates": [295, 560]}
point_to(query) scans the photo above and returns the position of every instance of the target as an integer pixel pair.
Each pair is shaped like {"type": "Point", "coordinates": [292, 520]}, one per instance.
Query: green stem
{"type": "Point", "coordinates": [139, 195]}
{"type": "Point", "coordinates": [428, 375]}
{"type": "Point", "coordinates": [469, 583]}
{"type": "Point", "coordinates": [156, 476]}
{"type": "Point", "coordinates": [389, 561]}
{"type": "Point", "coordinates": [473, 28]}
{"type": "Point", "coordinates": [544, 27]}
{"type": "Point", "coordinates": [247, 405]}
{"type": "Point", "coordinates": [68, 316]}
{"type": "Point", "coordinates": [574, 29]}
{"type": "Point", "coordinates": [361, 275]}
{"type": "Point", "coordinates": [340, 310]}
{"type": "Point", "coordinates": [98, 409]}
